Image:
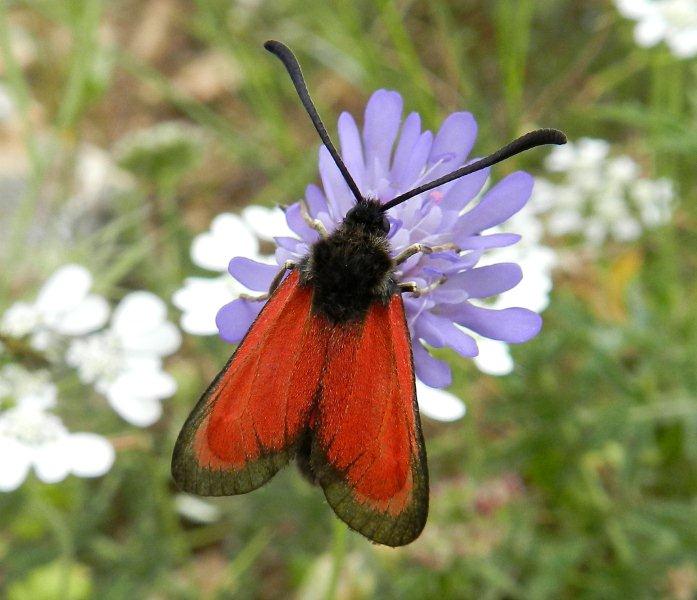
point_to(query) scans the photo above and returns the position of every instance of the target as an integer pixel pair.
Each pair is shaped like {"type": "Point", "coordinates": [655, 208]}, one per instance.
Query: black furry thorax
{"type": "Point", "coordinates": [351, 268]}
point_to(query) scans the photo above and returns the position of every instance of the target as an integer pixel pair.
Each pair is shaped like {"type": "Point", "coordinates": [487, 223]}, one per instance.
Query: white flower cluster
{"type": "Point", "coordinates": [674, 21]}
{"type": "Point", "coordinates": [32, 436]}
{"type": "Point", "coordinates": [123, 360]}
{"type": "Point", "coordinates": [599, 197]}
{"type": "Point", "coordinates": [230, 235]}
{"type": "Point", "coordinates": [63, 308]}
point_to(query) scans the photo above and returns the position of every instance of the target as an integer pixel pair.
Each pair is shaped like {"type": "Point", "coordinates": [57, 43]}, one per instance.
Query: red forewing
{"type": "Point", "coordinates": [350, 386]}
{"type": "Point", "coordinates": [247, 424]}
{"type": "Point", "coordinates": [368, 452]}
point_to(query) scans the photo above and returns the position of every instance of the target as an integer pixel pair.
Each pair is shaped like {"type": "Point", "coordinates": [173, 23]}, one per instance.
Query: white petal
{"type": "Point", "coordinates": [52, 461]}
{"type": "Point", "coordinates": [228, 237]}
{"type": "Point", "coordinates": [88, 316]}
{"type": "Point", "coordinates": [200, 299]}
{"type": "Point", "coordinates": [627, 229]}
{"type": "Point", "coordinates": [40, 398]}
{"type": "Point", "coordinates": [267, 223]}
{"type": "Point", "coordinates": [634, 9]}
{"type": "Point", "coordinates": [19, 320]}
{"type": "Point", "coordinates": [140, 323]}
{"type": "Point", "coordinates": [136, 395]}
{"type": "Point", "coordinates": [7, 105]}
{"type": "Point", "coordinates": [439, 404]}
{"type": "Point", "coordinates": [141, 412]}
{"type": "Point", "coordinates": [15, 460]}
{"type": "Point", "coordinates": [196, 509]}
{"type": "Point", "coordinates": [64, 290]}
{"type": "Point", "coordinates": [45, 340]}
{"type": "Point", "coordinates": [561, 158]}
{"type": "Point", "coordinates": [198, 323]}
{"type": "Point", "coordinates": [592, 152]}
{"type": "Point", "coordinates": [137, 364]}
{"type": "Point", "coordinates": [91, 455]}
{"type": "Point", "coordinates": [650, 31]}
{"type": "Point", "coordinates": [494, 357]}
{"type": "Point", "coordinates": [144, 383]}
{"type": "Point", "coordinates": [160, 341]}
{"type": "Point", "coordinates": [30, 389]}
{"type": "Point", "coordinates": [138, 311]}
{"type": "Point", "coordinates": [683, 44]}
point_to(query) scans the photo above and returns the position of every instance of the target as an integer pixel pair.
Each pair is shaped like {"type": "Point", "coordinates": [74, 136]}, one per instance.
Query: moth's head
{"type": "Point", "coordinates": [368, 215]}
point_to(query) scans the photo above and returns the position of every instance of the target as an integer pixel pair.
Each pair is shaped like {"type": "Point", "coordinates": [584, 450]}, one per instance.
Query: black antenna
{"type": "Point", "coordinates": [539, 137]}
{"type": "Point", "coordinates": [291, 64]}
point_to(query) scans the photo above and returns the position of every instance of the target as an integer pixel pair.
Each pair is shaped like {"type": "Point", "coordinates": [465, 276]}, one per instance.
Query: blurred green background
{"type": "Point", "coordinates": [573, 477]}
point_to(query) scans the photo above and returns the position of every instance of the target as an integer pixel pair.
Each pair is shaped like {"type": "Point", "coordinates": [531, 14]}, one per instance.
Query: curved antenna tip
{"type": "Point", "coordinates": [271, 45]}
{"type": "Point", "coordinates": [282, 52]}
{"type": "Point", "coordinates": [557, 137]}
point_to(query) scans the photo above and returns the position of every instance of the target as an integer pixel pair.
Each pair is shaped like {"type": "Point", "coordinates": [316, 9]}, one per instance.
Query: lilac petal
{"type": "Point", "coordinates": [413, 307]}
{"type": "Point", "coordinates": [234, 319]}
{"type": "Point", "coordinates": [500, 203]}
{"type": "Point", "coordinates": [411, 130]}
{"type": "Point", "coordinates": [464, 190]}
{"type": "Point", "coordinates": [512, 325]}
{"type": "Point", "coordinates": [252, 274]}
{"type": "Point", "coordinates": [428, 224]}
{"type": "Point", "coordinates": [430, 370]}
{"type": "Point", "coordinates": [428, 328]}
{"type": "Point", "coordinates": [351, 148]}
{"type": "Point", "coordinates": [462, 262]}
{"type": "Point", "coordinates": [289, 243]}
{"type": "Point", "coordinates": [395, 226]}
{"type": "Point", "coordinates": [316, 201]}
{"type": "Point", "coordinates": [452, 144]}
{"type": "Point", "coordinates": [298, 225]}
{"type": "Point", "coordinates": [482, 242]}
{"type": "Point", "coordinates": [439, 332]}
{"type": "Point", "coordinates": [338, 193]}
{"type": "Point", "coordinates": [488, 281]}
{"type": "Point", "coordinates": [416, 163]}
{"type": "Point", "coordinates": [444, 295]}
{"type": "Point", "coordinates": [400, 240]}
{"type": "Point", "coordinates": [282, 255]}
{"type": "Point", "coordinates": [383, 115]}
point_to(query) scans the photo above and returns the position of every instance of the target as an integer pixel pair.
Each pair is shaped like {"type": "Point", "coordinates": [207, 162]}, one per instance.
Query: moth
{"type": "Point", "coordinates": [325, 373]}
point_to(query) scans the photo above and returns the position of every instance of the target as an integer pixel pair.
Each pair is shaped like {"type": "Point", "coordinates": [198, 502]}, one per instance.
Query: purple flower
{"type": "Point", "coordinates": [391, 156]}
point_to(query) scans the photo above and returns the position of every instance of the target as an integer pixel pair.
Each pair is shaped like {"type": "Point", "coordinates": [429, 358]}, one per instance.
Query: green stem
{"type": "Point", "coordinates": [84, 51]}
{"type": "Point", "coordinates": [61, 530]}
{"type": "Point", "coordinates": [338, 556]}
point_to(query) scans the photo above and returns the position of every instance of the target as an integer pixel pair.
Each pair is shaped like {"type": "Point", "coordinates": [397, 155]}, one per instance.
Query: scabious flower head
{"type": "Point", "coordinates": [388, 157]}
{"type": "Point", "coordinates": [672, 21]}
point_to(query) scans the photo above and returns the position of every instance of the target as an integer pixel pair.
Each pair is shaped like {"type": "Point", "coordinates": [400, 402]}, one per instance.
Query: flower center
{"type": "Point", "coordinates": [99, 356]}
